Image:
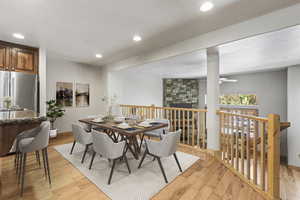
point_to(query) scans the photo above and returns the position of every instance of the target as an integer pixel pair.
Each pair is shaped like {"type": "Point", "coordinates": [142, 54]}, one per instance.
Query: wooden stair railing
{"type": "Point", "coordinates": [250, 147]}
{"type": "Point", "coordinates": [191, 121]}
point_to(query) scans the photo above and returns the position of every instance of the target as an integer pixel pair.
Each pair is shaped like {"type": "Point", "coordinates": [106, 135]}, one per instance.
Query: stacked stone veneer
{"type": "Point", "coordinates": [181, 91]}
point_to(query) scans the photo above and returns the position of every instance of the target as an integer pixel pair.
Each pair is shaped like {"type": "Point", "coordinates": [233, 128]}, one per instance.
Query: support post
{"type": "Point", "coordinates": [212, 123]}
{"type": "Point", "coordinates": [274, 156]}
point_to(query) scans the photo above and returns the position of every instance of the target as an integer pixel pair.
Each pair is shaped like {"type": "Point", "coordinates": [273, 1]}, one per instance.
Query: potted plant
{"type": "Point", "coordinates": [54, 111]}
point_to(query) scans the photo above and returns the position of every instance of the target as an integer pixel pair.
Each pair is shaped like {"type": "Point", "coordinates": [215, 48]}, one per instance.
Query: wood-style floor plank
{"type": "Point", "coordinates": [207, 179]}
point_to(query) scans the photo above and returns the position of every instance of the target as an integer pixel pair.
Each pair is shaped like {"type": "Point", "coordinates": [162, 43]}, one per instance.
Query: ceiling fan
{"type": "Point", "coordinates": [227, 80]}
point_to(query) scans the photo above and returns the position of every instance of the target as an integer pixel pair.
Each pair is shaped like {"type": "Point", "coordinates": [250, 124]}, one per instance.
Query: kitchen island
{"type": "Point", "coordinates": [13, 123]}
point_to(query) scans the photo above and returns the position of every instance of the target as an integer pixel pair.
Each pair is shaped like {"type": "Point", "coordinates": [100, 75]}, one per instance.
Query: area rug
{"type": "Point", "coordinates": [141, 184]}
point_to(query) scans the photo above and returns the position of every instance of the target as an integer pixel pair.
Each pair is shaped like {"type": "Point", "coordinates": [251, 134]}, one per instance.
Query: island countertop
{"type": "Point", "coordinates": [20, 117]}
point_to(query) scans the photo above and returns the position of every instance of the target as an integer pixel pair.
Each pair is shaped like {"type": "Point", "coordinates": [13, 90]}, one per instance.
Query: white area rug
{"type": "Point", "coordinates": [141, 184]}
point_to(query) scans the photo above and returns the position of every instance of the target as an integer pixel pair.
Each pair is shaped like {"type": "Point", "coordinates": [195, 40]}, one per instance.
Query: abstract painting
{"type": "Point", "coordinates": [64, 93]}
{"type": "Point", "coordinates": [82, 95]}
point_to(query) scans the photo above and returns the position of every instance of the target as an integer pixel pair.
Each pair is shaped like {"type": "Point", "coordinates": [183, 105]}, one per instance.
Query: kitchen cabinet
{"type": "Point", "coordinates": [24, 60]}
{"type": "Point", "coordinates": [4, 57]}
{"type": "Point", "coordinates": [18, 58]}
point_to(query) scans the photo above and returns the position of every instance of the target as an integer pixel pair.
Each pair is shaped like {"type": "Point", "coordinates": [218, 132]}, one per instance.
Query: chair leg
{"type": "Point", "coordinates": [175, 156]}
{"type": "Point", "coordinates": [44, 163]}
{"type": "Point", "coordinates": [48, 167]}
{"type": "Point", "coordinates": [162, 169]}
{"type": "Point", "coordinates": [127, 164]}
{"type": "Point", "coordinates": [23, 173]}
{"type": "Point", "coordinates": [72, 147]}
{"type": "Point", "coordinates": [20, 167]}
{"type": "Point", "coordinates": [112, 171]}
{"type": "Point", "coordinates": [37, 155]}
{"type": "Point", "coordinates": [92, 160]}
{"type": "Point", "coordinates": [142, 159]}
{"type": "Point", "coordinates": [86, 149]}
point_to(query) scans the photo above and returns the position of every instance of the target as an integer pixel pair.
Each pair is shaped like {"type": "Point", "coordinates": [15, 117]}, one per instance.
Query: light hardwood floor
{"type": "Point", "coordinates": [206, 179]}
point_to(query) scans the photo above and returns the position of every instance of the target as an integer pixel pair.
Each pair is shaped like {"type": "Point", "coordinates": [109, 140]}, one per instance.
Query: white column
{"type": "Point", "coordinates": [42, 79]}
{"type": "Point", "coordinates": [212, 122]}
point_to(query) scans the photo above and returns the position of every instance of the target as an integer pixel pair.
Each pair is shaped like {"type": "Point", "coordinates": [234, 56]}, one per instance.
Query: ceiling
{"type": "Point", "coordinates": [77, 30]}
{"type": "Point", "coordinates": [268, 51]}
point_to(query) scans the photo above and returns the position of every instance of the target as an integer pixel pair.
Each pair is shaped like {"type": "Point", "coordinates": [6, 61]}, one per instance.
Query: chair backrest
{"type": "Point", "coordinates": [169, 143]}
{"type": "Point", "coordinates": [79, 133]}
{"type": "Point", "coordinates": [102, 143]}
{"type": "Point", "coordinates": [41, 140]}
{"type": "Point", "coordinates": [165, 121]}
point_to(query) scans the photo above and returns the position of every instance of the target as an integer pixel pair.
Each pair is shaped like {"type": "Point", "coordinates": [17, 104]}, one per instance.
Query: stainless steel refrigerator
{"type": "Point", "coordinates": [21, 87]}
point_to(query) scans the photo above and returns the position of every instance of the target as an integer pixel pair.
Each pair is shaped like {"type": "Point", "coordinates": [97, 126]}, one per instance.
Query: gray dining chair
{"type": "Point", "coordinates": [103, 145]}
{"type": "Point", "coordinates": [164, 148]}
{"type": "Point", "coordinates": [82, 137]}
{"type": "Point", "coordinates": [88, 127]}
{"type": "Point", "coordinates": [158, 132]}
{"type": "Point", "coordinates": [39, 142]}
{"type": "Point", "coordinates": [31, 133]}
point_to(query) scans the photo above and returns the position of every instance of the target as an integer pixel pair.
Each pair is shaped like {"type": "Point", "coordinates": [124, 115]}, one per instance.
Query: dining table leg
{"type": "Point", "coordinates": [130, 143]}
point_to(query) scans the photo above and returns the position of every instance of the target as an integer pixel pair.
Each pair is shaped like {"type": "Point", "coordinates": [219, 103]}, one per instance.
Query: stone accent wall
{"type": "Point", "coordinates": [181, 91]}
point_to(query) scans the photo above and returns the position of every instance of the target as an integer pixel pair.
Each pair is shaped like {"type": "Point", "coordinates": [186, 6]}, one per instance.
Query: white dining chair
{"type": "Point", "coordinates": [164, 148]}
{"type": "Point", "coordinates": [104, 146]}
{"type": "Point", "coordinates": [82, 137]}
{"type": "Point", "coordinates": [158, 132]}
{"type": "Point", "coordinates": [39, 142]}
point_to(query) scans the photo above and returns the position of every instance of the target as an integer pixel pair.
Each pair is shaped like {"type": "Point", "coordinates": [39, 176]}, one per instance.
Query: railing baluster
{"type": "Point", "coordinates": [188, 127]}
{"type": "Point", "coordinates": [232, 140]}
{"type": "Point", "coordinates": [184, 127]}
{"type": "Point", "coordinates": [262, 154]}
{"type": "Point", "coordinates": [193, 128]}
{"type": "Point", "coordinates": [248, 149]}
{"type": "Point", "coordinates": [236, 130]}
{"type": "Point", "coordinates": [243, 145]}
{"type": "Point", "coordinates": [255, 153]}
{"type": "Point", "coordinates": [198, 129]}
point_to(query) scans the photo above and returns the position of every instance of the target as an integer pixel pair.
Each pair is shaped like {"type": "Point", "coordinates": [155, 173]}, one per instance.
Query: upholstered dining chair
{"type": "Point", "coordinates": [31, 133]}
{"type": "Point", "coordinates": [164, 148]}
{"type": "Point", "coordinates": [103, 145]}
{"type": "Point", "coordinates": [82, 137]}
{"type": "Point", "coordinates": [39, 142]}
{"type": "Point", "coordinates": [158, 132]}
{"type": "Point", "coordinates": [88, 127]}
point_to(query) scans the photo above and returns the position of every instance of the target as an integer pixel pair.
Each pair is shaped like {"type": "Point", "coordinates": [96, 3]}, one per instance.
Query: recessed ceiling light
{"type": "Point", "coordinates": [137, 38]}
{"type": "Point", "coordinates": [206, 6]}
{"type": "Point", "coordinates": [98, 55]}
{"type": "Point", "coordinates": [18, 36]}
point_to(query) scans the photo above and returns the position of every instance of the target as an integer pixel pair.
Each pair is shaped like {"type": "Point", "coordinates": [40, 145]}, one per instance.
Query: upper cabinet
{"type": "Point", "coordinates": [4, 57]}
{"type": "Point", "coordinates": [18, 58]}
{"type": "Point", "coordinates": [24, 60]}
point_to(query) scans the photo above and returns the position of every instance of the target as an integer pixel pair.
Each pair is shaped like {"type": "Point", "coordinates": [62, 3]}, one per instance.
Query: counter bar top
{"type": "Point", "coordinates": [20, 117]}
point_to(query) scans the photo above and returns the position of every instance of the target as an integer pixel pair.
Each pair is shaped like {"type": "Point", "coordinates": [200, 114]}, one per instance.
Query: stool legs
{"type": "Point", "coordinates": [21, 167]}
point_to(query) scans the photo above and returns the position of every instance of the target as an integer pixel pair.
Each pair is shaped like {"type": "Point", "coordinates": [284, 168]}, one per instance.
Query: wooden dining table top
{"type": "Point", "coordinates": [113, 126]}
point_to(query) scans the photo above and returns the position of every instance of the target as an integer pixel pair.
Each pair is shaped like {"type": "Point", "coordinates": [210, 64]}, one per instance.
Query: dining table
{"type": "Point", "coordinates": [129, 135]}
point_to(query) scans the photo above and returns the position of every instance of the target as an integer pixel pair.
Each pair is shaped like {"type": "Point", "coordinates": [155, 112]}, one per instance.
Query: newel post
{"type": "Point", "coordinates": [273, 156]}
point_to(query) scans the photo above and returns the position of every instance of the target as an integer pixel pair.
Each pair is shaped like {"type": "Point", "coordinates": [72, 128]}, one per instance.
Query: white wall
{"type": "Point", "coordinates": [136, 88]}
{"type": "Point", "coordinates": [60, 70]}
{"type": "Point", "coordinates": [293, 115]}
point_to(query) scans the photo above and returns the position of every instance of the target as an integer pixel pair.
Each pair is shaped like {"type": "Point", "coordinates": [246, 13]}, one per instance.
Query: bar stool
{"type": "Point", "coordinates": [33, 144]}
